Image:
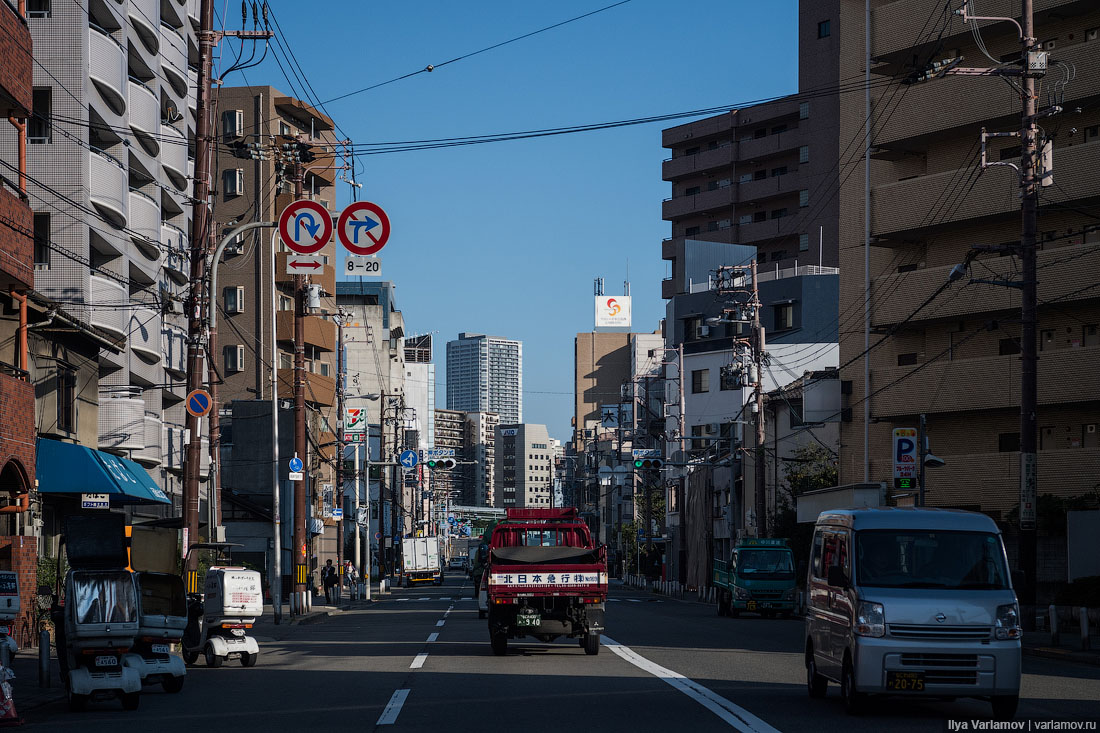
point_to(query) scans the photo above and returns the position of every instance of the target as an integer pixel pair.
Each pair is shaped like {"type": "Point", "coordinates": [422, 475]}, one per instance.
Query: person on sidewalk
{"type": "Point", "coordinates": [328, 580]}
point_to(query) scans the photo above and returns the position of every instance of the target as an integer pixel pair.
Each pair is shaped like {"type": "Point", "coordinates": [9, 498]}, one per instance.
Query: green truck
{"type": "Point", "coordinates": [759, 577]}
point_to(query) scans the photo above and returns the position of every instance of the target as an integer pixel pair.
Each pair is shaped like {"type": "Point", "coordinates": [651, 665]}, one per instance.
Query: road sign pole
{"type": "Point", "coordinates": [300, 555]}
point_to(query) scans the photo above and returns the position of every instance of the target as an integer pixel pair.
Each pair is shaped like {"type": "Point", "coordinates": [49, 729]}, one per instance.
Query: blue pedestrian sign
{"type": "Point", "coordinates": [295, 464]}
{"type": "Point", "coordinates": [408, 458]}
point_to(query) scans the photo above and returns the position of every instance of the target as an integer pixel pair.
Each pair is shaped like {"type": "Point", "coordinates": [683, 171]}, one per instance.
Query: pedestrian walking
{"type": "Point", "coordinates": [329, 580]}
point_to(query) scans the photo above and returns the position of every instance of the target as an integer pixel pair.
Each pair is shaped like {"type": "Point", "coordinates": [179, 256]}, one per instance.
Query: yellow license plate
{"type": "Point", "coordinates": [905, 681]}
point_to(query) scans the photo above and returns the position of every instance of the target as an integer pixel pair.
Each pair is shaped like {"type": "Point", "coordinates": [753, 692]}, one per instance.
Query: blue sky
{"type": "Point", "coordinates": [506, 238]}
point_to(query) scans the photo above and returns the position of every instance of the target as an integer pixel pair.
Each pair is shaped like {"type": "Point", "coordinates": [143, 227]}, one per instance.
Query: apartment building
{"type": "Point", "coordinates": [481, 430]}
{"type": "Point", "coordinates": [956, 359]}
{"type": "Point", "coordinates": [110, 170]}
{"type": "Point", "coordinates": [525, 466]}
{"type": "Point", "coordinates": [450, 432]}
{"type": "Point", "coordinates": [485, 374]}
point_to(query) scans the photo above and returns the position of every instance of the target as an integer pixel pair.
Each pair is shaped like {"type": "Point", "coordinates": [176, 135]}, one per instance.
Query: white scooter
{"type": "Point", "coordinates": [162, 608]}
{"type": "Point", "coordinates": [217, 622]}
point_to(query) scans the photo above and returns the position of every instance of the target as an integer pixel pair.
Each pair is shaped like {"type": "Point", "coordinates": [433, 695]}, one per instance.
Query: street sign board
{"type": "Point", "coordinates": [305, 227]}
{"type": "Point", "coordinates": [431, 453]}
{"type": "Point", "coordinates": [905, 458]}
{"type": "Point", "coordinates": [198, 402]}
{"type": "Point", "coordinates": [296, 464]}
{"type": "Point", "coordinates": [337, 513]}
{"type": "Point", "coordinates": [355, 420]}
{"type": "Point", "coordinates": [356, 266]}
{"type": "Point", "coordinates": [363, 228]}
{"type": "Point", "coordinates": [304, 264]}
{"type": "Point", "coordinates": [95, 501]}
{"type": "Point", "coordinates": [645, 453]}
{"type": "Point", "coordinates": [296, 476]}
{"type": "Point", "coordinates": [408, 459]}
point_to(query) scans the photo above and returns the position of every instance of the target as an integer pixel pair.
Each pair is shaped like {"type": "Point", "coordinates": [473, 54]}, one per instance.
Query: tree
{"type": "Point", "coordinates": [811, 467]}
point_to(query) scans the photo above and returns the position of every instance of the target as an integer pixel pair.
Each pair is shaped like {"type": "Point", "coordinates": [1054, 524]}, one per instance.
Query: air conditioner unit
{"type": "Point", "coordinates": [711, 428]}
{"type": "Point", "coordinates": [1090, 34]}
{"type": "Point", "coordinates": [175, 306]}
{"type": "Point", "coordinates": [704, 330]}
{"type": "Point", "coordinates": [1049, 45]}
{"type": "Point", "coordinates": [1090, 429]}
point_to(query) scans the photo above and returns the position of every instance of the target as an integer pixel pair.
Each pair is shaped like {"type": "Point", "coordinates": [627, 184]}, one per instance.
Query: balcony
{"type": "Point", "coordinates": [145, 224]}
{"type": "Point", "coordinates": [698, 129]}
{"type": "Point", "coordinates": [316, 331]}
{"type": "Point", "coordinates": [904, 205]}
{"type": "Point", "coordinates": [764, 147]}
{"type": "Point", "coordinates": [173, 55]}
{"type": "Point", "coordinates": [319, 390]}
{"type": "Point", "coordinates": [1066, 376]}
{"type": "Point", "coordinates": [326, 278]}
{"type": "Point", "coordinates": [171, 441]}
{"type": "Point", "coordinates": [108, 186]}
{"type": "Point", "coordinates": [772, 186]}
{"type": "Point", "coordinates": [173, 343]}
{"type": "Point", "coordinates": [16, 245]}
{"type": "Point", "coordinates": [668, 288]}
{"type": "Point", "coordinates": [150, 454]}
{"type": "Point", "coordinates": [145, 335]}
{"type": "Point", "coordinates": [193, 11]}
{"type": "Point", "coordinates": [680, 206]}
{"type": "Point", "coordinates": [145, 17]}
{"type": "Point", "coordinates": [1062, 272]}
{"type": "Point", "coordinates": [121, 419]}
{"type": "Point", "coordinates": [107, 68]}
{"type": "Point", "coordinates": [174, 156]}
{"type": "Point", "coordinates": [760, 230]}
{"type": "Point", "coordinates": [110, 295]}
{"type": "Point", "coordinates": [706, 160]}
{"type": "Point", "coordinates": [174, 12]}
{"type": "Point", "coordinates": [145, 116]}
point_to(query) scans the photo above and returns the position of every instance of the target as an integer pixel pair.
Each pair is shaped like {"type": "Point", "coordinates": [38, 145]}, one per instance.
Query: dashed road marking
{"type": "Point", "coordinates": [433, 636]}
{"type": "Point", "coordinates": [418, 662]}
{"type": "Point", "coordinates": [440, 622]}
{"type": "Point", "coordinates": [393, 708]}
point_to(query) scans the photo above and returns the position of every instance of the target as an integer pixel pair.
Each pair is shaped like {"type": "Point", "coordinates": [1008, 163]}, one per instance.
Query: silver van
{"type": "Point", "coordinates": [911, 601]}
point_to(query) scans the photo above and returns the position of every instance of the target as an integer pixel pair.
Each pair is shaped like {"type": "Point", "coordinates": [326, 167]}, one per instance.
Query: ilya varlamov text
{"type": "Point", "coordinates": [1025, 725]}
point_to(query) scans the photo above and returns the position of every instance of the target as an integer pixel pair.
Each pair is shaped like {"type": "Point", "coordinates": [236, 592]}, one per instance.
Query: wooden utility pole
{"type": "Point", "coordinates": [300, 535]}
{"type": "Point", "coordinates": [758, 395]}
{"type": "Point", "coordinates": [340, 444]}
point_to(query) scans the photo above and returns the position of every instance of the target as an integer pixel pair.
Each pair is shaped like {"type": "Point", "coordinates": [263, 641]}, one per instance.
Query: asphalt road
{"type": "Point", "coordinates": [664, 665]}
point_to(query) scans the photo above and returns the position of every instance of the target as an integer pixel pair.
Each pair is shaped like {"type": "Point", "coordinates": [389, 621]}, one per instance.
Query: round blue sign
{"type": "Point", "coordinates": [296, 464]}
{"type": "Point", "coordinates": [408, 458]}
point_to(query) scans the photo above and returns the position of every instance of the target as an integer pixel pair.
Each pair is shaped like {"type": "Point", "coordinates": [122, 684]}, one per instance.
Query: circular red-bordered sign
{"type": "Point", "coordinates": [198, 402]}
{"type": "Point", "coordinates": [363, 228]}
{"type": "Point", "coordinates": [305, 227]}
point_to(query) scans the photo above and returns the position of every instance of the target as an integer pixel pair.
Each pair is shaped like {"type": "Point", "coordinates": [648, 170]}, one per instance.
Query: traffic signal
{"type": "Point", "coordinates": [653, 464]}
{"type": "Point", "coordinates": [441, 463]}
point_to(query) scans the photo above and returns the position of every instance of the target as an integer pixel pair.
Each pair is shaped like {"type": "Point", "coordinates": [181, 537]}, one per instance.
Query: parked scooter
{"type": "Point", "coordinates": [9, 611]}
{"type": "Point", "coordinates": [162, 609]}
{"type": "Point", "coordinates": [218, 620]}
{"type": "Point", "coordinates": [98, 621]}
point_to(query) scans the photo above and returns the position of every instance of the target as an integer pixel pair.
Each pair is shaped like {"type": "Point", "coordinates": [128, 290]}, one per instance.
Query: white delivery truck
{"type": "Point", "coordinates": [420, 561]}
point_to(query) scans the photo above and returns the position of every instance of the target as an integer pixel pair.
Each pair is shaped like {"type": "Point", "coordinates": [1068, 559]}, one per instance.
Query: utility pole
{"type": "Point", "coordinates": [382, 482]}
{"type": "Point", "coordinates": [1028, 357]}
{"type": "Point", "coordinates": [200, 233]}
{"type": "Point", "coordinates": [302, 570]}
{"type": "Point", "coordinates": [758, 394]}
{"type": "Point", "coordinates": [340, 318]}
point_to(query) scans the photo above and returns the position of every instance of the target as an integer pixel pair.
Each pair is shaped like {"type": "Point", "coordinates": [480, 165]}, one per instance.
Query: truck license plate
{"type": "Point", "coordinates": [160, 648]}
{"type": "Point", "coordinates": [528, 620]}
{"type": "Point", "coordinates": [106, 661]}
{"type": "Point", "coordinates": [905, 681]}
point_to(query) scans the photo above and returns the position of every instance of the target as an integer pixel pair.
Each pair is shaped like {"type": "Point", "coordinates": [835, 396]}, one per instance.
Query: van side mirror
{"type": "Point", "coordinates": [837, 577]}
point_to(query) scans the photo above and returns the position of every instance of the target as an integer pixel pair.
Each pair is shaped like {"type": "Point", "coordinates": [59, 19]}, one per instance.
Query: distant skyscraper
{"type": "Point", "coordinates": [485, 374]}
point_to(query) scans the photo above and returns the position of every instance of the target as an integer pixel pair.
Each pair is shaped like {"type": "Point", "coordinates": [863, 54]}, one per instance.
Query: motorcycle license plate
{"type": "Point", "coordinates": [160, 648]}
{"type": "Point", "coordinates": [528, 620]}
{"type": "Point", "coordinates": [106, 661]}
{"type": "Point", "coordinates": [905, 681]}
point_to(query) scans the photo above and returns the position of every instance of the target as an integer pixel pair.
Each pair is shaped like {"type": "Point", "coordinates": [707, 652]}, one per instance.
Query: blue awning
{"type": "Point", "coordinates": [67, 468]}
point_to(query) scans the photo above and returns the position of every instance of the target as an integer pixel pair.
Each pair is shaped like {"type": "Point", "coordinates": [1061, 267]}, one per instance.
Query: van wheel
{"type": "Point", "coordinates": [854, 701]}
{"type": "Point", "coordinates": [1004, 706]}
{"type": "Point", "coordinates": [816, 685]}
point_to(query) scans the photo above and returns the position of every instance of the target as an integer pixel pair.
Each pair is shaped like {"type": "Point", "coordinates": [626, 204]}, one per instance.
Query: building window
{"type": "Point", "coordinates": [233, 181]}
{"type": "Point", "coordinates": [700, 381]}
{"type": "Point", "coordinates": [803, 242]}
{"type": "Point", "coordinates": [907, 359]}
{"type": "Point", "coordinates": [804, 154]}
{"type": "Point", "coordinates": [286, 361]}
{"type": "Point", "coordinates": [66, 399]}
{"type": "Point", "coordinates": [1008, 442]}
{"type": "Point", "coordinates": [804, 111]}
{"type": "Point", "coordinates": [760, 216]}
{"type": "Point", "coordinates": [794, 407]}
{"type": "Point", "coordinates": [1008, 347]}
{"type": "Point", "coordinates": [762, 132]}
{"type": "Point", "coordinates": [40, 127]}
{"type": "Point", "coordinates": [1046, 339]}
{"type": "Point", "coordinates": [691, 231]}
{"type": "Point", "coordinates": [823, 29]}
{"type": "Point", "coordinates": [760, 175]}
{"type": "Point", "coordinates": [233, 122]}
{"type": "Point", "coordinates": [779, 213]}
{"type": "Point", "coordinates": [779, 254]}
{"type": "Point", "coordinates": [42, 241]}
{"type": "Point", "coordinates": [780, 171]}
{"type": "Point", "coordinates": [744, 219]}
{"type": "Point", "coordinates": [691, 191]}
{"type": "Point", "coordinates": [778, 129]}
{"type": "Point", "coordinates": [285, 303]}
{"type": "Point", "coordinates": [804, 197]}
{"type": "Point", "coordinates": [234, 299]}
{"type": "Point", "coordinates": [234, 358]}
{"type": "Point", "coordinates": [745, 178]}
{"type": "Point", "coordinates": [38, 8]}
{"type": "Point", "coordinates": [784, 316]}
{"type": "Point", "coordinates": [1089, 335]}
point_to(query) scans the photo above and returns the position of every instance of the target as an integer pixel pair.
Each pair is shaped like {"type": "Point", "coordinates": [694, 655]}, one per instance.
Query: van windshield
{"type": "Point", "coordinates": [765, 564]}
{"type": "Point", "coordinates": [930, 559]}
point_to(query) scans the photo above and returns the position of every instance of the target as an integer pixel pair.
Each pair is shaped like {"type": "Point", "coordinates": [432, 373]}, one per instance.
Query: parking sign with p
{"type": "Point", "coordinates": [905, 458]}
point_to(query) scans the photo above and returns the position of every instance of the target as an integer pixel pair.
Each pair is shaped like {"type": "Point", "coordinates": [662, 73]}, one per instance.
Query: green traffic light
{"type": "Point", "coordinates": [637, 464]}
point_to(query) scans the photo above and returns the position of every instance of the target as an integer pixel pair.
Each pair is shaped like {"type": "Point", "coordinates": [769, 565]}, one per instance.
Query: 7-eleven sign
{"type": "Point", "coordinates": [355, 424]}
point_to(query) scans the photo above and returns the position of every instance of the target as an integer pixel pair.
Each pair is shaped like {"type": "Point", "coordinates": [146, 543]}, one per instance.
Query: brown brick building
{"type": "Point", "coordinates": [957, 358]}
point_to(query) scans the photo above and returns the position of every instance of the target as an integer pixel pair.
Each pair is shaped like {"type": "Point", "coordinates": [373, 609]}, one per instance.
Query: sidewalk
{"type": "Point", "coordinates": [319, 611]}
{"type": "Point", "coordinates": [28, 695]}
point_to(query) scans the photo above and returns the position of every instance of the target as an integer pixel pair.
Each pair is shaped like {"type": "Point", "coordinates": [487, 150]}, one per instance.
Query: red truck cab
{"type": "Point", "coordinates": [546, 578]}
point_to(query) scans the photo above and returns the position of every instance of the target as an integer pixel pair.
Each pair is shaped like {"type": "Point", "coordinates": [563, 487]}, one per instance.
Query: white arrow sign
{"type": "Point", "coordinates": [304, 264]}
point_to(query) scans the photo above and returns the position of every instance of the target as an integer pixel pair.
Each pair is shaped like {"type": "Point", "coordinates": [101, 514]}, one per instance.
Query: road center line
{"type": "Point", "coordinates": [440, 622]}
{"type": "Point", "coordinates": [433, 637]}
{"type": "Point", "coordinates": [393, 708]}
{"type": "Point", "coordinates": [734, 715]}
{"type": "Point", "coordinates": [424, 598]}
{"type": "Point", "coordinates": [418, 662]}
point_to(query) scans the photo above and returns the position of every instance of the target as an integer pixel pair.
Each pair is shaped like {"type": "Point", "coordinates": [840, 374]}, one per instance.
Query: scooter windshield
{"type": "Point", "coordinates": [104, 597]}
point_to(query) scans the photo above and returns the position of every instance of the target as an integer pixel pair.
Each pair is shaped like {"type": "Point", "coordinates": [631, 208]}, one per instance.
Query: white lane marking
{"type": "Point", "coordinates": [614, 600]}
{"type": "Point", "coordinates": [393, 708]}
{"type": "Point", "coordinates": [425, 598]}
{"type": "Point", "coordinates": [404, 599]}
{"type": "Point", "coordinates": [734, 715]}
{"type": "Point", "coordinates": [419, 661]}
{"type": "Point", "coordinates": [433, 636]}
{"type": "Point", "coordinates": [634, 600]}
{"type": "Point", "coordinates": [445, 598]}
{"type": "Point", "coordinates": [440, 622]}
